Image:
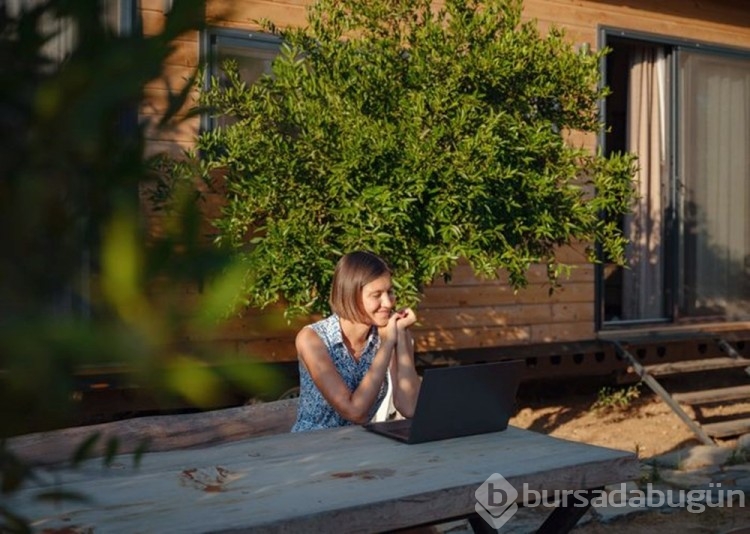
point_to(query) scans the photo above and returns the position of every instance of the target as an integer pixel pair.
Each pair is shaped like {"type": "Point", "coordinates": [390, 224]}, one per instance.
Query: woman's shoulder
{"type": "Point", "coordinates": [328, 327]}
{"type": "Point", "coordinates": [319, 331]}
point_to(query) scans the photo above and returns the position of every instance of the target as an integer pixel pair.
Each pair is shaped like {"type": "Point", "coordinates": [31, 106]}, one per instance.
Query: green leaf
{"type": "Point", "coordinates": [140, 450]}
{"type": "Point", "coordinates": [110, 451]}
{"type": "Point", "coordinates": [85, 449]}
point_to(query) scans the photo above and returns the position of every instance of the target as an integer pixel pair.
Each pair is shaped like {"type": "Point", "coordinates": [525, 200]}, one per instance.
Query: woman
{"type": "Point", "coordinates": [344, 359]}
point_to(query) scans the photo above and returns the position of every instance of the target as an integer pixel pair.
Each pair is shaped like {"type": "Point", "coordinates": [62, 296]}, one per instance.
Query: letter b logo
{"type": "Point", "coordinates": [496, 500]}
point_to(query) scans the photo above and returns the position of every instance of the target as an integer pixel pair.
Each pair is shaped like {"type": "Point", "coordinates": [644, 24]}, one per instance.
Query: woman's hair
{"type": "Point", "coordinates": [353, 272]}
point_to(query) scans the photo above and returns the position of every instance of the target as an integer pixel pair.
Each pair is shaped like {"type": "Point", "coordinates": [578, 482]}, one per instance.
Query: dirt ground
{"type": "Point", "coordinates": [643, 424]}
{"type": "Point", "coordinates": [607, 415]}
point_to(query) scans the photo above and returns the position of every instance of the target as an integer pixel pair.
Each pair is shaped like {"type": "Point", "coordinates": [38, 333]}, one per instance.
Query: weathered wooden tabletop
{"type": "Point", "coordinates": [344, 480]}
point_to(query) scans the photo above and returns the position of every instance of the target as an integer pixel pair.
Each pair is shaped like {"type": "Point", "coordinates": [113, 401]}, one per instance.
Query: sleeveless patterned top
{"type": "Point", "coordinates": [314, 412]}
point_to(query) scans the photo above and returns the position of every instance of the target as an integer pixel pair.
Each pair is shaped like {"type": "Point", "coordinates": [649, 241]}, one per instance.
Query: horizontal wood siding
{"type": "Point", "coordinates": [464, 312]}
{"type": "Point", "coordinates": [470, 312]}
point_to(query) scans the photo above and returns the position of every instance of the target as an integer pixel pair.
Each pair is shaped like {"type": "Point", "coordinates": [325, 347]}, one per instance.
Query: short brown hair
{"type": "Point", "coordinates": [353, 272]}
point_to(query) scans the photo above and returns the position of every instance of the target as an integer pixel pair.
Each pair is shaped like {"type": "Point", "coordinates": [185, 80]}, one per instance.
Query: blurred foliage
{"type": "Point", "coordinates": [83, 287]}
{"type": "Point", "coordinates": [423, 134]}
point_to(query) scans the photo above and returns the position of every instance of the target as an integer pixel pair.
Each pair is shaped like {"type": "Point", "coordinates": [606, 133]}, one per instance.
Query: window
{"type": "Point", "coordinates": [119, 15]}
{"type": "Point", "coordinates": [253, 52]}
{"type": "Point", "coordinates": [684, 109]}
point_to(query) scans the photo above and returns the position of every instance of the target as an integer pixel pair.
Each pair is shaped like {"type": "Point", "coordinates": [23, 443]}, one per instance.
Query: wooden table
{"type": "Point", "coordinates": [343, 480]}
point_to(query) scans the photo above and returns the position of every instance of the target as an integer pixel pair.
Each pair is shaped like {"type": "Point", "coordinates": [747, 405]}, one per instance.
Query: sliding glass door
{"type": "Point", "coordinates": [685, 112]}
{"type": "Point", "coordinates": [714, 166]}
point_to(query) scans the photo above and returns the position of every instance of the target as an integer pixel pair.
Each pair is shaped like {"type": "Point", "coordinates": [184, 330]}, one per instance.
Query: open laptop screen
{"type": "Point", "coordinates": [460, 401]}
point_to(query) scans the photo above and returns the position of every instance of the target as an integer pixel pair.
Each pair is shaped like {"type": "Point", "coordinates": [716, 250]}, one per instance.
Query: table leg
{"type": "Point", "coordinates": [479, 525]}
{"type": "Point", "coordinates": [564, 518]}
{"type": "Point", "coordinates": [560, 521]}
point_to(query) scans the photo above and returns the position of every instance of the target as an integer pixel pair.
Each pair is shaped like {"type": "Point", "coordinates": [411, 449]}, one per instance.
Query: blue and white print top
{"type": "Point", "coordinates": [313, 411]}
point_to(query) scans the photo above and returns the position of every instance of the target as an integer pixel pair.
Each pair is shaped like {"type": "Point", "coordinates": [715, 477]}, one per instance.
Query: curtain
{"type": "Point", "coordinates": [643, 277]}
{"type": "Point", "coordinates": [715, 143]}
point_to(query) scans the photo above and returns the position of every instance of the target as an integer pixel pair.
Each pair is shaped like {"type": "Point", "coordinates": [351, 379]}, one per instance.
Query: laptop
{"type": "Point", "coordinates": [459, 401]}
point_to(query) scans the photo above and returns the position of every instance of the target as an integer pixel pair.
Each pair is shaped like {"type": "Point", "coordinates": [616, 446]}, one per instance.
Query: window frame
{"type": "Point", "coordinates": [213, 37]}
{"type": "Point", "coordinates": [672, 220]}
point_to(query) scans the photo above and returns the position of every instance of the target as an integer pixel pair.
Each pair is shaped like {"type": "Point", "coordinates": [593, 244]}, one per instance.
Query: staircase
{"type": "Point", "coordinates": [706, 433]}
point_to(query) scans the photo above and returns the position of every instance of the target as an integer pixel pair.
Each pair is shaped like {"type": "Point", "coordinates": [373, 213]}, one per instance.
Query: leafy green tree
{"type": "Point", "coordinates": [423, 135]}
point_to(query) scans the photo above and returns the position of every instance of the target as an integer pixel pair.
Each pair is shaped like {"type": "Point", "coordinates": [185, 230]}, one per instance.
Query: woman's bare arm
{"type": "Point", "coordinates": [406, 381]}
{"type": "Point", "coordinates": [354, 405]}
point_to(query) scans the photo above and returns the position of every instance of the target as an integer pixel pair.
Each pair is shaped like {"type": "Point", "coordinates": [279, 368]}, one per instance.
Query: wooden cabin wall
{"type": "Point", "coordinates": [466, 312]}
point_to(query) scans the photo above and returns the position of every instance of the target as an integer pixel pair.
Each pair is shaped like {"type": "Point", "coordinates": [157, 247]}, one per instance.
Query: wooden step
{"type": "Point", "coordinates": [726, 429]}
{"type": "Point", "coordinates": [713, 395]}
{"type": "Point", "coordinates": [694, 366]}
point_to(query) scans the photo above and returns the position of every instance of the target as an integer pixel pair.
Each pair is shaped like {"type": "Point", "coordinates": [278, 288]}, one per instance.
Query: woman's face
{"type": "Point", "coordinates": [378, 300]}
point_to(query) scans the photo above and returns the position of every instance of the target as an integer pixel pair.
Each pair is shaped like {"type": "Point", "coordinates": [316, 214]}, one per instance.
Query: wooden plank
{"type": "Point", "coordinates": [155, 101]}
{"type": "Point", "coordinates": [279, 349]}
{"type": "Point", "coordinates": [678, 20]}
{"type": "Point", "coordinates": [463, 275]}
{"type": "Point", "coordinates": [173, 76]}
{"type": "Point", "coordinates": [514, 315]}
{"type": "Point", "coordinates": [733, 330]}
{"type": "Point", "coordinates": [562, 331]}
{"type": "Point", "coordinates": [573, 312]}
{"type": "Point", "coordinates": [162, 433]}
{"type": "Point", "coordinates": [279, 346]}
{"type": "Point", "coordinates": [726, 429]}
{"type": "Point", "coordinates": [448, 296]}
{"type": "Point", "coordinates": [540, 351]}
{"type": "Point", "coordinates": [707, 12]}
{"type": "Point", "coordinates": [152, 5]}
{"type": "Point", "coordinates": [152, 21]}
{"type": "Point", "coordinates": [443, 338]}
{"type": "Point", "coordinates": [713, 395]}
{"type": "Point", "coordinates": [574, 254]}
{"type": "Point", "coordinates": [309, 482]}
{"type": "Point", "coordinates": [669, 334]}
{"type": "Point", "coordinates": [243, 12]}
{"type": "Point", "coordinates": [495, 295]}
{"type": "Point", "coordinates": [695, 366]}
{"type": "Point", "coordinates": [184, 54]}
